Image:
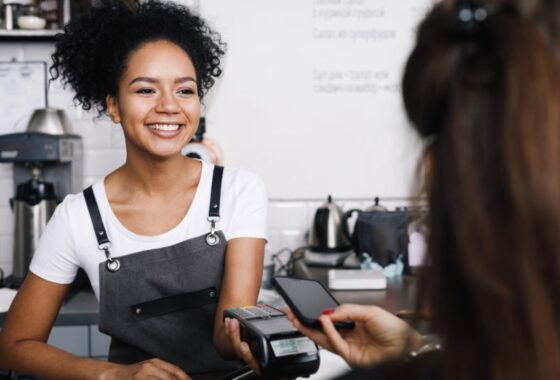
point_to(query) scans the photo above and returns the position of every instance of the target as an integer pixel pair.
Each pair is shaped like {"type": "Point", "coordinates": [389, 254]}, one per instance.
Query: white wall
{"type": "Point", "coordinates": [271, 113]}
{"type": "Point", "coordinates": [310, 97]}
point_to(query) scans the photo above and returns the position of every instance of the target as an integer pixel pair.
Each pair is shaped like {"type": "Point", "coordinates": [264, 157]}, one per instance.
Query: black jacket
{"type": "Point", "coordinates": [427, 366]}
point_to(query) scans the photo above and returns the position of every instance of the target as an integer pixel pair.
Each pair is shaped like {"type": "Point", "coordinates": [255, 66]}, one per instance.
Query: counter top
{"type": "Point", "coordinates": [401, 291]}
{"type": "Point", "coordinates": [79, 308]}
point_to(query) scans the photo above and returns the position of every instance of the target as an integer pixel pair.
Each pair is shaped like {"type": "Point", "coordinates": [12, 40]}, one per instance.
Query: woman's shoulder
{"type": "Point", "coordinates": [74, 205]}
{"type": "Point", "coordinates": [70, 204]}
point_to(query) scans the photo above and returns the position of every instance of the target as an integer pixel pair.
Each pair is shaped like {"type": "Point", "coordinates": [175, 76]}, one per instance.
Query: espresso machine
{"type": "Point", "coordinates": [47, 165]}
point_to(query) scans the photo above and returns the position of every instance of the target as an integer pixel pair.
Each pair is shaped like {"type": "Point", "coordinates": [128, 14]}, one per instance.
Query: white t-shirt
{"type": "Point", "coordinates": [68, 241]}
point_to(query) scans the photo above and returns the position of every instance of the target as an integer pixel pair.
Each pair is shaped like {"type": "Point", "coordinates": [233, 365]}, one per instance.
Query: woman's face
{"type": "Point", "coordinates": [158, 104]}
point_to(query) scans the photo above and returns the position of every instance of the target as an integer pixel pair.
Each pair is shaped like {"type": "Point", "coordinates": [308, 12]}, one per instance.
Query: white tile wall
{"type": "Point", "coordinates": [117, 137]}
{"type": "Point", "coordinates": [273, 242]}
{"type": "Point", "coordinates": [95, 135]}
{"type": "Point", "coordinates": [7, 223]}
{"type": "Point", "coordinates": [5, 171]}
{"type": "Point", "coordinates": [97, 162]}
{"type": "Point", "coordinates": [6, 189]}
{"type": "Point", "coordinates": [6, 252]}
{"type": "Point", "coordinates": [288, 215]}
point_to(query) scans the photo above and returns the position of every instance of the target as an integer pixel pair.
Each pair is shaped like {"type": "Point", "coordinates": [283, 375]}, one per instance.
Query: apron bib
{"type": "Point", "coordinates": [162, 302]}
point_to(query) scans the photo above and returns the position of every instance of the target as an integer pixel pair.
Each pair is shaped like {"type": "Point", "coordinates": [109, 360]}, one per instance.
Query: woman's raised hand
{"type": "Point", "coordinates": [377, 336]}
{"type": "Point", "coordinates": [149, 369]}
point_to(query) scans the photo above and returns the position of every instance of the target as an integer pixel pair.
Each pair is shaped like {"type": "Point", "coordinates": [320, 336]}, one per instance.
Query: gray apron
{"type": "Point", "coordinates": [161, 303]}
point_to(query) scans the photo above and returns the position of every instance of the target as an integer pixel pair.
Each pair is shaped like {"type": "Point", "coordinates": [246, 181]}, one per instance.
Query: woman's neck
{"type": "Point", "coordinates": [156, 176]}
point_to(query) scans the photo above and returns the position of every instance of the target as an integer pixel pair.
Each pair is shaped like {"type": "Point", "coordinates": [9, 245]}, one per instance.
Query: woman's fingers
{"type": "Point", "coordinates": [336, 341]}
{"type": "Point", "coordinates": [352, 312]}
{"type": "Point", "coordinates": [152, 369]}
{"type": "Point", "coordinates": [232, 330]}
{"type": "Point", "coordinates": [234, 340]}
{"type": "Point", "coordinates": [149, 369]}
{"type": "Point", "coordinates": [248, 358]}
{"type": "Point", "coordinates": [170, 368]}
{"type": "Point", "coordinates": [315, 335]}
{"type": "Point", "coordinates": [242, 349]}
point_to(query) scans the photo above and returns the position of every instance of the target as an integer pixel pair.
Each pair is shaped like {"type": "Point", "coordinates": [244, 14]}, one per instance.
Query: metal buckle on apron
{"type": "Point", "coordinates": [212, 238]}
{"type": "Point", "coordinates": [111, 264]}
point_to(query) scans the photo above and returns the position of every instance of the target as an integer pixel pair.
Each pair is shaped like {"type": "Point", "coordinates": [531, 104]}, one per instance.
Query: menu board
{"type": "Point", "coordinates": [24, 89]}
{"type": "Point", "coordinates": [310, 97]}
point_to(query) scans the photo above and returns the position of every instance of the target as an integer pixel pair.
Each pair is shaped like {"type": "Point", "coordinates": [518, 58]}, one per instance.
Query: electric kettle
{"type": "Point", "coordinates": [33, 205]}
{"type": "Point", "coordinates": [326, 234]}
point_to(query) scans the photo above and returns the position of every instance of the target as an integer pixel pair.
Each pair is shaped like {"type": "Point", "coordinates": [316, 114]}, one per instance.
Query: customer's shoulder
{"type": "Point", "coordinates": [424, 367]}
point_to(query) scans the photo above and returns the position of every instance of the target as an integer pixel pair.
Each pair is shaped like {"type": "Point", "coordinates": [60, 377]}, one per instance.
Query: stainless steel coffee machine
{"type": "Point", "coordinates": [47, 167]}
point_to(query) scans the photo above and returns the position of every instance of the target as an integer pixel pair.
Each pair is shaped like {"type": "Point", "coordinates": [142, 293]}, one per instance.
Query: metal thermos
{"type": "Point", "coordinates": [33, 205]}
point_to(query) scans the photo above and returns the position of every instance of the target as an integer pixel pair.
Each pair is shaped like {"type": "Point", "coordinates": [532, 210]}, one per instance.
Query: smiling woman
{"type": "Point", "coordinates": [171, 241]}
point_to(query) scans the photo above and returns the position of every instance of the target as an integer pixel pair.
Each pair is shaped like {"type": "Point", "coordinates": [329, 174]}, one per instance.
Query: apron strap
{"type": "Point", "coordinates": [103, 242]}
{"type": "Point", "coordinates": [95, 216]}
{"type": "Point", "coordinates": [214, 211]}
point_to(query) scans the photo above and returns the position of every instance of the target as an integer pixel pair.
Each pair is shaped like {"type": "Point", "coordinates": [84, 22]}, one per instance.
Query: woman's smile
{"type": "Point", "coordinates": [166, 131]}
{"type": "Point", "coordinates": [164, 127]}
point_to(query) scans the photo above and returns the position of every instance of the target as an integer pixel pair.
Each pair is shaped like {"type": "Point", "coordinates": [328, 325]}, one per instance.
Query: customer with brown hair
{"type": "Point", "coordinates": [482, 88]}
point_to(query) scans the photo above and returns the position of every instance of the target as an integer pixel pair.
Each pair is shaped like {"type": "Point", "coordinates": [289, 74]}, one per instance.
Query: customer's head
{"type": "Point", "coordinates": [92, 53]}
{"type": "Point", "coordinates": [485, 94]}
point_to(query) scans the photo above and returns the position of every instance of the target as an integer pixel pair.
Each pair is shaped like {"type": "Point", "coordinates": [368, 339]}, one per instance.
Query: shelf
{"type": "Point", "coordinates": [28, 35]}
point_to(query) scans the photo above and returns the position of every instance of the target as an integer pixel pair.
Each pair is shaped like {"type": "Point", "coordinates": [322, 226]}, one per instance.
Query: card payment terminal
{"type": "Point", "coordinates": [281, 350]}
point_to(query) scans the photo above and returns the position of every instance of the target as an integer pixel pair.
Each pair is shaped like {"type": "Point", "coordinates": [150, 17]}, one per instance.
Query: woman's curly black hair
{"type": "Point", "coordinates": [92, 53]}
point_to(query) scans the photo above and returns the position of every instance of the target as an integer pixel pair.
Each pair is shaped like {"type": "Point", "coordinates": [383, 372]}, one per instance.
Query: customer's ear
{"type": "Point", "coordinates": [113, 108]}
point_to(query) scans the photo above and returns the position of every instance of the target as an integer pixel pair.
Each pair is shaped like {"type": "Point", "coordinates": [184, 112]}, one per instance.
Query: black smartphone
{"type": "Point", "coordinates": [307, 299]}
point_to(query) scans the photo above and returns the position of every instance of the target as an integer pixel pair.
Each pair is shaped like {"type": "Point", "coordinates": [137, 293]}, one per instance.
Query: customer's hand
{"type": "Point", "coordinates": [378, 335]}
{"type": "Point", "coordinates": [149, 369]}
{"type": "Point", "coordinates": [241, 349]}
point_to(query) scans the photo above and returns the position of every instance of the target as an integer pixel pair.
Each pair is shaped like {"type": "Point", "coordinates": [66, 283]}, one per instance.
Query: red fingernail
{"type": "Point", "coordinates": [328, 311]}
